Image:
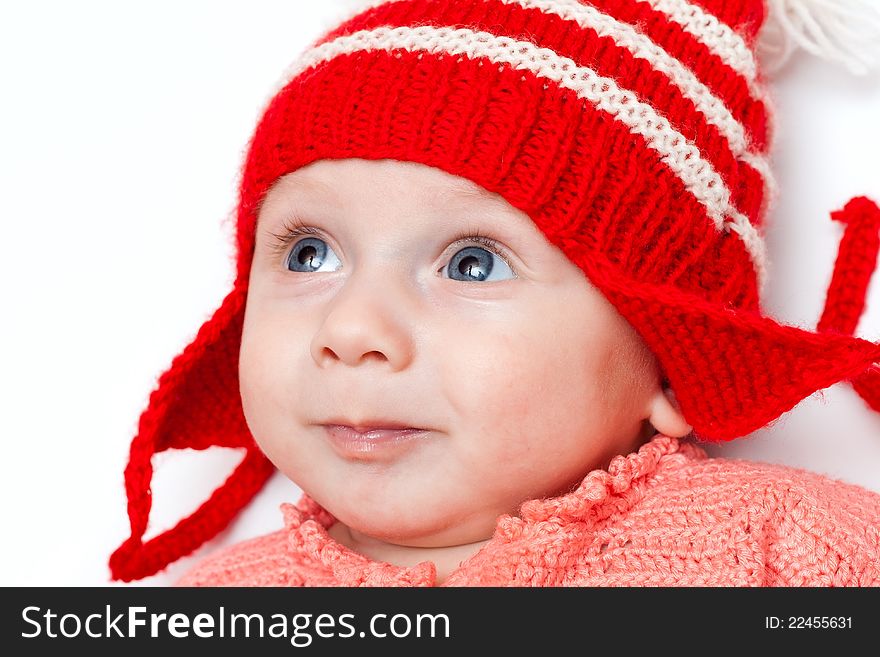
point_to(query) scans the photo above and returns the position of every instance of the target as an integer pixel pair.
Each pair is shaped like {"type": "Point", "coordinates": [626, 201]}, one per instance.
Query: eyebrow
{"type": "Point", "coordinates": [464, 189]}
{"type": "Point", "coordinates": [314, 183]}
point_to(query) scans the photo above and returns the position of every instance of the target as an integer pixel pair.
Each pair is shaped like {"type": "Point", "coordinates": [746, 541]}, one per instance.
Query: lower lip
{"type": "Point", "coordinates": [377, 442]}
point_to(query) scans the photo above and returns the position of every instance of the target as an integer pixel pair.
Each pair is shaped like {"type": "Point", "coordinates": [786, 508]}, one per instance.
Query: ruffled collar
{"type": "Point", "coordinates": [601, 493]}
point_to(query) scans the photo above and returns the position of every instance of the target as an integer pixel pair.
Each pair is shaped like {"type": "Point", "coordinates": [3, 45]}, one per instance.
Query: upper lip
{"type": "Point", "coordinates": [371, 424]}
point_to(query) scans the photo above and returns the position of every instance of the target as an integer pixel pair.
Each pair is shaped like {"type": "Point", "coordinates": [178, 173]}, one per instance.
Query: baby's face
{"type": "Point", "coordinates": [522, 373]}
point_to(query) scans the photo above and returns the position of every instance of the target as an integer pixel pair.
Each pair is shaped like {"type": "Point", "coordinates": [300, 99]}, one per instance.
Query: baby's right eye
{"type": "Point", "coordinates": [310, 254]}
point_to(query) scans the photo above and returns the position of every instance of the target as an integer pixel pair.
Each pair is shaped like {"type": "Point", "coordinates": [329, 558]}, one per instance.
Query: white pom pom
{"type": "Point", "coordinates": [845, 31]}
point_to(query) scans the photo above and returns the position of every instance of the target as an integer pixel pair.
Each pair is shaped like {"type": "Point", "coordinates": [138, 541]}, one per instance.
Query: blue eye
{"type": "Point", "coordinates": [309, 255]}
{"type": "Point", "coordinates": [474, 263]}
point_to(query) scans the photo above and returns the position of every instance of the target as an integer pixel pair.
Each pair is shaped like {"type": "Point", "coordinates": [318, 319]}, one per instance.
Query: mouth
{"type": "Point", "coordinates": [364, 441]}
{"type": "Point", "coordinates": [371, 424]}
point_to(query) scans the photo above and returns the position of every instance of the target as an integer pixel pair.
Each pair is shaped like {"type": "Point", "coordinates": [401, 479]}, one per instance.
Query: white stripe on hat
{"type": "Point", "coordinates": [682, 157]}
{"type": "Point", "coordinates": [718, 37]}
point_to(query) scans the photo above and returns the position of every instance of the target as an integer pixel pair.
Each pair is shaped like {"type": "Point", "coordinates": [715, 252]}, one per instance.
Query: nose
{"type": "Point", "coordinates": [366, 320]}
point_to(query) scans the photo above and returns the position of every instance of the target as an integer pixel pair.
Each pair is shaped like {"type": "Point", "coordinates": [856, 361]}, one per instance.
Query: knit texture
{"type": "Point", "coordinates": [665, 515]}
{"type": "Point", "coordinates": [636, 135]}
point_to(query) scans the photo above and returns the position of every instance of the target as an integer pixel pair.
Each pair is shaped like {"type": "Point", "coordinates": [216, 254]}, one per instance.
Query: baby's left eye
{"type": "Point", "coordinates": [475, 263]}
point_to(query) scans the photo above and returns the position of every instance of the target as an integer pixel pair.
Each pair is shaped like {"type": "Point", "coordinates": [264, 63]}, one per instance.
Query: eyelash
{"type": "Point", "coordinates": [293, 227]}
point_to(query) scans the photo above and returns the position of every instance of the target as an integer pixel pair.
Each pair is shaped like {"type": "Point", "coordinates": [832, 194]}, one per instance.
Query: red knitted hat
{"type": "Point", "coordinates": [634, 133]}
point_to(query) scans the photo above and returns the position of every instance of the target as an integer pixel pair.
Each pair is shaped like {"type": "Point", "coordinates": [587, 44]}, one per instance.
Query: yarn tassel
{"type": "Point", "coordinates": [845, 31]}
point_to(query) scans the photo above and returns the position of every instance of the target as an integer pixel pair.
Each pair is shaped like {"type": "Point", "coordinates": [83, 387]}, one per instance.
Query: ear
{"type": "Point", "coordinates": [665, 414]}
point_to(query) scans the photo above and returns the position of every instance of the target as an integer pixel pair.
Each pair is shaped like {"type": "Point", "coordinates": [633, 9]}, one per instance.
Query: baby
{"type": "Point", "coordinates": [499, 265]}
{"type": "Point", "coordinates": [493, 357]}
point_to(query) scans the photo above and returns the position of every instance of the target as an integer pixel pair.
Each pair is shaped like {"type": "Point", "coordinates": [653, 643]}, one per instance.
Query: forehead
{"type": "Point", "coordinates": [334, 181]}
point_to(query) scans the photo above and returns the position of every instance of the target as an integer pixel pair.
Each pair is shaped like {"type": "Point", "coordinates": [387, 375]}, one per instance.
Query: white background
{"type": "Point", "coordinates": [122, 129]}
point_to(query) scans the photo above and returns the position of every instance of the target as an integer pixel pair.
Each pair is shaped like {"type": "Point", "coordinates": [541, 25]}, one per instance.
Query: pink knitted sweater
{"type": "Point", "coordinates": [666, 515]}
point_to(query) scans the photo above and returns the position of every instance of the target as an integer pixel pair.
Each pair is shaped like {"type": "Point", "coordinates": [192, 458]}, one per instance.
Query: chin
{"type": "Point", "coordinates": [386, 526]}
{"type": "Point", "coordinates": [390, 526]}
{"type": "Point", "coordinates": [424, 531]}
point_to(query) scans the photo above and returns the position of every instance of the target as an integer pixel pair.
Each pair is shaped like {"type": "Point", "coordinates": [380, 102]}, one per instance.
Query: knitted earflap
{"type": "Point", "coordinates": [196, 405]}
{"type": "Point", "coordinates": [756, 368]}
{"type": "Point", "coordinates": [634, 133]}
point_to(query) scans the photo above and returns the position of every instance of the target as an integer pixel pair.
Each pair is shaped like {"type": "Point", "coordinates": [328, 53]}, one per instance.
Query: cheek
{"type": "Point", "coordinates": [514, 387]}
{"type": "Point", "coordinates": [268, 382]}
